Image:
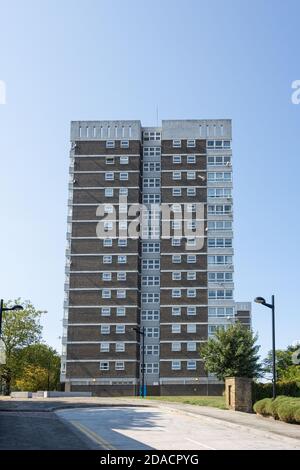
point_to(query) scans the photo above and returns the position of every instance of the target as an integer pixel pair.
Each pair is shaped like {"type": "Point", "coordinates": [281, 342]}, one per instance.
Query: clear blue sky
{"type": "Point", "coordinates": [68, 60]}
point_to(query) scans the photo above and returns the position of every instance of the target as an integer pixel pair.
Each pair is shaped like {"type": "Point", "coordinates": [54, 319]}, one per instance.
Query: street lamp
{"type": "Point", "coordinates": [261, 300]}
{"type": "Point", "coordinates": [141, 333]}
{"type": "Point", "coordinates": [5, 309]}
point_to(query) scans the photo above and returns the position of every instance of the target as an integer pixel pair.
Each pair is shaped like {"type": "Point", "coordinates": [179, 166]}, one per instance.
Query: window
{"type": "Point", "coordinates": [122, 224]}
{"type": "Point", "coordinates": [219, 160]}
{"type": "Point", "coordinates": [191, 365]}
{"type": "Point", "coordinates": [191, 346]}
{"type": "Point", "coordinates": [151, 198]}
{"type": "Point", "coordinates": [107, 242]}
{"type": "Point", "coordinates": [105, 311]}
{"type": "Point", "coordinates": [110, 144]}
{"type": "Point", "coordinates": [176, 224]}
{"type": "Point", "coordinates": [191, 224]}
{"type": "Point", "coordinates": [122, 242]}
{"type": "Point", "coordinates": [123, 176]}
{"type": "Point", "coordinates": [110, 160]}
{"type": "Point", "coordinates": [191, 175]}
{"type": "Point", "coordinates": [191, 259]}
{"type": "Point", "coordinates": [121, 276]}
{"type": "Point", "coordinates": [150, 315]}
{"type": "Point", "coordinates": [109, 192]}
{"type": "Point", "coordinates": [104, 347]}
{"type": "Point", "coordinates": [107, 259]}
{"type": "Point", "coordinates": [176, 275]}
{"type": "Point", "coordinates": [152, 166]}
{"type": "Point", "coordinates": [219, 209]}
{"type": "Point", "coordinates": [191, 143]}
{"type": "Point", "coordinates": [213, 176]}
{"type": "Point", "coordinates": [176, 346]}
{"type": "Point", "coordinates": [176, 241]}
{"type": "Point", "coordinates": [191, 242]}
{"type": "Point", "coordinates": [176, 311]}
{"type": "Point", "coordinates": [219, 192]}
{"type": "Point", "coordinates": [109, 176]}
{"type": "Point", "coordinates": [191, 310]}
{"type": "Point", "coordinates": [106, 294]}
{"type": "Point", "coordinates": [219, 225]}
{"type": "Point", "coordinates": [120, 347]}
{"type": "Point", "coordinates": [121, 311]}
{"type": "Point", "coordinates": [151, 247]}
{"type": "Point", "coordinates": [191, 191]}
{"type": "Point", "coordinates": [152, 151]}
{"type": "Point", "coordinates": [151, 182]}
{"type": "Point", "coordinates": [176, 328]}
{"type": "Point", "coordinates": [105, 329]}
{"type": "Point", "coordinates": [176, 191]}
{"type": "Point", "coordinates": [124, 160]}
{"type": "Point", "coordinates": [122, 259]}
{"type": "Point", "coordinates": [151, 135]}
{"type": "Point", "coordinates": [191, 328]}
{"type": "Point", "coordinates": [176, 143]}
{"type": "Point", "coordinates": [124, 144]}
{"type": "Point", "coordinates": [176, 159]}
{"type": "Point", "coordinates": [151, 264]}
{"type": "Point", "coordinates": [151, 350]}
{"type": "Point", "coordinates": [220, 277]}
{"type": "Point", "coordinates": [176, 365]}
{"type": "Point", "coordinates": [220, 294]}
{"type": "Point", "coordinates": [152, 332]}
{"type": "Point", "coordinates": [221, 312]}
{"type": "Point", "coordinates": [152, 368]}
{"type": "Point", "coordinates": [176, 175]}
{"type": "Point", "coordinates": [104, 365]}
{"type": "Point", "coordinates": [219, 242]}
{"type": "Point", "coordinates": [219, 144]}
{"type": "Point", "coordinates": [176, 293]}
{"type": "Point", "coordinates": [191, 276]}
{"type": "Point", "coordinates": [120, 329]}
{"type": "Point", "coordinates": [119, 365]}
{"type": "Point", "coordinates": [121, 294]}
{"type": "Point", "coordinates": [108, 208]}
{"type": "Point", "coordinates": [150, 280]}
{"type": "Point", "coordinates": [191, 159]}
{"type": "Point", "coordinates": [176, 259]}
{"type": "Point", "coordinates": [106, 276]}
{"type": "Point", "coordinates": [219, 259]}
{"type": "Point", "coordinates": [191, 293]}
{"type": "Point", "coordinates": [123, 191]}
{"type": "Point", "coordinates": [150, 297]}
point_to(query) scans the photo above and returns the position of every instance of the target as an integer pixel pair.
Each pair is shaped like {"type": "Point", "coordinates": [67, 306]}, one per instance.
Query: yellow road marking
{"type": "Point", "coordinates": [92, 435]}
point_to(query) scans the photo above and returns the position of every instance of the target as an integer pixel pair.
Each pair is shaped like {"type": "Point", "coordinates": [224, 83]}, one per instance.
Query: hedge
{"type": "Point", "coordinates": [289, 389]}
{"type": "Point", "coordinates": [284, 408]}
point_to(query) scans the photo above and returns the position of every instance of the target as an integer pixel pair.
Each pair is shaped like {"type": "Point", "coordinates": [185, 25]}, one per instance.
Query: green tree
{"type": "Point", "coordinates": [19, 329]}
{"type": "Point", "coordinates": [44, 358]}
{"type": "Point", "coordinates": [232, 353]}
{"type": "Point", "coordinates": [34, 378]}
{"type": "Point", "coordinates": [283, 361]}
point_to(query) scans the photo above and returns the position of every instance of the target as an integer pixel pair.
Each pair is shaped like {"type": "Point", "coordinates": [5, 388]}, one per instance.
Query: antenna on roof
{"type": "Point", "coordinates": [157, 115]}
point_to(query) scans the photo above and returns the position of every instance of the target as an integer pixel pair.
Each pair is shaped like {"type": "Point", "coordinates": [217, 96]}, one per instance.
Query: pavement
{"type": "Point", "coordinates": [133, 423]}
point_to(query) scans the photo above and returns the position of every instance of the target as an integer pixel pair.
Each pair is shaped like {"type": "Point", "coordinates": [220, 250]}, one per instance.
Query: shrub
{"type": "Point", "coordinates": [288, 410]}
{"type": "Point", "coordinates": [260, 406]}
{"type": "Point", "coordinates": [285, 408]}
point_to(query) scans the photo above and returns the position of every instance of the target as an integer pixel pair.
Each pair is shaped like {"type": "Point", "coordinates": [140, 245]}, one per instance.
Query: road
{"type": "Point", "coordinates": [139, 428]}
{"type": "Point", "coordinates": [38, 431]}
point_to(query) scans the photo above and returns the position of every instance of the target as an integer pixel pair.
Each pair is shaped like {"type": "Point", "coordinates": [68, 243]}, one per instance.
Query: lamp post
{"type": "Point", "coordinates": [6, 309]}
{"type": "Point", "coordinates": [261, 300]}
{"type": "Point", "coordinates": [141, 333]}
